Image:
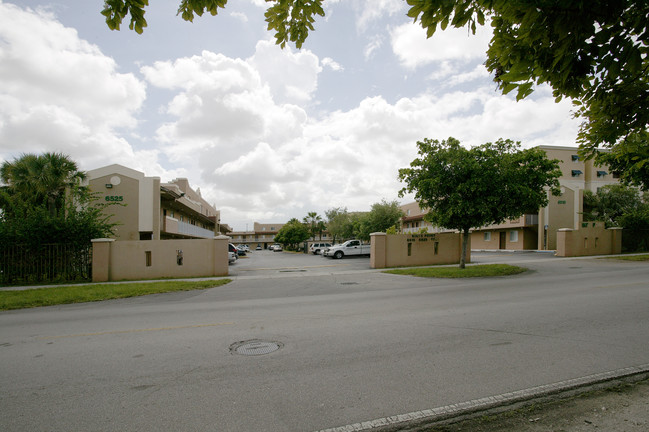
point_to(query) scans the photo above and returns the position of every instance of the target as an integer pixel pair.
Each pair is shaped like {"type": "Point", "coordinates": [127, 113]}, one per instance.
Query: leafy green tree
{"type": "Point", "coordinates": [292, 234]}
{"type": "Point", "coordinates": [290, 19]}
{"type": "Point", "coordinates": [42, 201]}
{"type": "Point", "coordinates": [610, 203]}
{"type": "Point", "coordinates": [337, 222]}
{"type": "Point", "coordinates": [592, 51]}
{"type": "Point", "coordinates": [485, 185]}
{"type": "Point", "coordinates": [636, 229]}
{"type": "Point", "coordinates": [45, 178]}
{"type": "Point", "coordinates": [630, 159]}
{"type": "Point", "coordinates": [381, 217]}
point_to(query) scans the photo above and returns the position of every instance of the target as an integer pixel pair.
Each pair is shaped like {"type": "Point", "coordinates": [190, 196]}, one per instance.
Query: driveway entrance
{"type": "Point", "coordinates": [264, 262]}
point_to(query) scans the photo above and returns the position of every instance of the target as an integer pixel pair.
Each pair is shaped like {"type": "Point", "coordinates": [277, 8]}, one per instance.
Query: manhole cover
{"type": "Point", "coordinates": [254, 347]}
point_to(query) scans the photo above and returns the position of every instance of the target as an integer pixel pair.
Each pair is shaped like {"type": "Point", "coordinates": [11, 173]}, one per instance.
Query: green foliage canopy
{"type": "Point", "coordinates": [292, 234]}
{"type": "Point", "coordinates": [485, 185]}
{"type": "Point", "coordinates": [290, 19]}
{"type": "Point", "coordinates": [43, 179]}
{"type": "Point", "coordinates": [381, 217]}
{"type": "Point", "coordinates": [42, 201]}
{"type": "Point", "coordinates": [592, 51]}
{"type": "Point", "coordinates": [610, 203]}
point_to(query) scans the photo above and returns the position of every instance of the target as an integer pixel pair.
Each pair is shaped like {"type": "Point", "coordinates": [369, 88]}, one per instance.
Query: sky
{"type": "Point", "coordinates": [266, 134]}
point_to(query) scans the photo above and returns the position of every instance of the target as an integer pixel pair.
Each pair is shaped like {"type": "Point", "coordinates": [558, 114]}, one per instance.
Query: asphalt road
{"type": "Point", "coordinates": [355, 345]}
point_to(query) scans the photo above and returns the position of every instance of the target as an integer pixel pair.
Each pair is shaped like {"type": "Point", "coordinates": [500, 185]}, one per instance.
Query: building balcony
{"type": "Point", "coordinates": [172, 227]}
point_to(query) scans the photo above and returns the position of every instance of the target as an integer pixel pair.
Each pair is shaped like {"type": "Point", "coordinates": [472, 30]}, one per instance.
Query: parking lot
{"type": "Point", "coordinates": [258, 263]}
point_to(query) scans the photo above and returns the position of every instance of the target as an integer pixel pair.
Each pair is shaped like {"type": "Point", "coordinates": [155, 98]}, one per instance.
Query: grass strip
{"type": "Point", "coordinates": [631, 258]}
{"type": "Point", "coordinates": [21, 299]}
{"type": "Point", "coordinates": [487, 270]}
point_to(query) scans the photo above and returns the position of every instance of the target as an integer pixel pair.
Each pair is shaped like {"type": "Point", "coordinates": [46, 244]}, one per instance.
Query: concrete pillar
{"type": "Point", "coordinates": [221, 264]}
{"type": "Point", "coordinates": [101, 259]}
{"type": "Point", "coordinates": [565, 242]}
{"type": "Point", "coordinates": [616, 240]}
{"type": "Point", "coordinates": [378, 248]}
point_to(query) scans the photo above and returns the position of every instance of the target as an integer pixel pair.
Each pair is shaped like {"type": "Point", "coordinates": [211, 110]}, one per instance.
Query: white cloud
{"type": "Point", "coordinates": [291, 76]}
{"type": "Point", "coordinates": [374, 45]}
{"type": "Point", "coordinates": [413, 49]}
{"type": "Point", "coordinates": [241, 129]}
{"type": "Point", "coordinates": [332, 64]}
{"type": "Point", "coordinates": [60, 93]}
{"type": "Point", "coordinates": [370, 11]}
{"type": "Point", "coordinates": [240, 16]}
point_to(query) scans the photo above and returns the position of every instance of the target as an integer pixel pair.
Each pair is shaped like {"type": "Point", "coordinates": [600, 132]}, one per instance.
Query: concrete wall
{"type": "Point", "coordinates": [593, 239]}
{"type": "Point", "coordinates": [155, 259]}
{"type": "Point", "coordinates": [399, 250]}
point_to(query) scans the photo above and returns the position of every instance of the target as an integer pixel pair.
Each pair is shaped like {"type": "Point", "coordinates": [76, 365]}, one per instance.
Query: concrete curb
{"type": "Point", "coordinates": [434, 415]}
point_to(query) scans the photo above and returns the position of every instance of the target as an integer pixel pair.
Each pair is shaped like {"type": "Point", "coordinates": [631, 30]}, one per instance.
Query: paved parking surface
{"type": "Point", "coordinates": [267, 263]}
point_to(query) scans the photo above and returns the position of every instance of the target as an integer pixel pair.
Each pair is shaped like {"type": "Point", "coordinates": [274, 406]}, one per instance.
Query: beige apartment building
{"type": "Point", "coordinates": [538, 231]}
{"type": "Point", "coordinates": [146, 209]}
{"type": "Point", "coordinates": [263, 235]}
{"type": "Point", "coordinates": [413, 221]}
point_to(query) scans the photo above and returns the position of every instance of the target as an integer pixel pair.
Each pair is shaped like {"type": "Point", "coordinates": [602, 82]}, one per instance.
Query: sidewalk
{"type": "Point", "coordinates": [620, 407]}
{"type": "Point", "coordinates": [614, 401]}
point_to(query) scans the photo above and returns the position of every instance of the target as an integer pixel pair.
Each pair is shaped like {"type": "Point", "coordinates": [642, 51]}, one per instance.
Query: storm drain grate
{"type": "Point", "coordinates": [291, 271]}
{"type": "Point", "coordinates": [254, 347]}
{"type": "Point", "coordinates": [349, 283]}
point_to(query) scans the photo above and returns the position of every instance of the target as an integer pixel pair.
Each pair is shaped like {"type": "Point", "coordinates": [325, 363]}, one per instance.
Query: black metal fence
{"type": "Point", "coordinates": [635, 240]}
{"type": "Point", "coordinates": [48, 263]}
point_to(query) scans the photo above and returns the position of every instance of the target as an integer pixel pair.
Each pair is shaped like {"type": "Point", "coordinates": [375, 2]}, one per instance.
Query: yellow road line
{"type": "Point", "coordinates": [135, 331]}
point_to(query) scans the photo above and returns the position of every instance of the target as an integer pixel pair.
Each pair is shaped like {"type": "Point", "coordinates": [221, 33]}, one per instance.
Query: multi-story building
{"type": "Point", "coordinates": [263, 235]}
{"type": "Point", "coordinates": [538, 230]}
{"type": "Point", "coordinates": [146, 209]}
{"type": "Point", "coordinates": [413, 220]}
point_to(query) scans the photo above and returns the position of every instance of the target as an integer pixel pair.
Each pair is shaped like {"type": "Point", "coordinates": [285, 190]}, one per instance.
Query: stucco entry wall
{"type": "Point", "coordinates": [155, 259]}
{"type": "Point", "coordinates": [591, 239]}
{"type": "Point", "coordinates": [403, 250]}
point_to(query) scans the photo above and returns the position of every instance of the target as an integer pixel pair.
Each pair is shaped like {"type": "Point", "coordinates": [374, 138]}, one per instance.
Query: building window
{"type": "Point", "coordinates": [576, 173]}
{"type": "Point", "coordinates": [513, 236]}
{"type": "Point", "coordinates": [487, 236]}
{"type": "Point", "coordinates": [601, 173]}
{"type": "Point", "coordinates": [575, 158]}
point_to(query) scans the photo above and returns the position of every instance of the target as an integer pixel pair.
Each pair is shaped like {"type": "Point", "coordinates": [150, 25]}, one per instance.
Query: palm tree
{"type": "Point", "coordinates": [312, 219]}
{"type": "Point", "coordinates": [42, 179]}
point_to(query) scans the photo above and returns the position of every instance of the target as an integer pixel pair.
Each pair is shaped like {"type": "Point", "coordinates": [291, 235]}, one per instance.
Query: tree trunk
{"type": "Point", "coordinates": [465, 241]}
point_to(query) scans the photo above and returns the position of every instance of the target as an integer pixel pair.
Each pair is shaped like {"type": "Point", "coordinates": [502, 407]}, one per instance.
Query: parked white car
{"type": "Point", "coordinates": [350, 247]}
{"type": "Point", "coordinates": [232, 257]}
{"type": "Point", "coordinates": [316, 248]}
